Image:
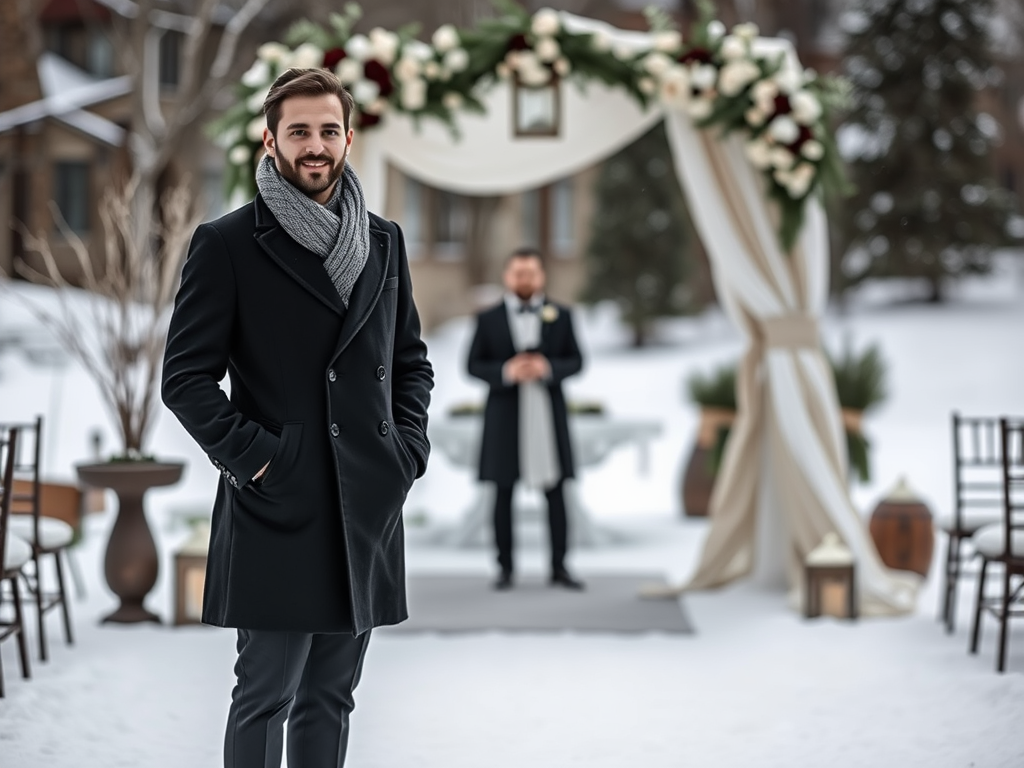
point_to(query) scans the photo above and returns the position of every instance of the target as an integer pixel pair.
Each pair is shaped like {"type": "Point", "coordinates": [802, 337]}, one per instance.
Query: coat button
{"type": "Point", "coordinates": [381, 373]}
{"type": "Point", "coordinates": [334, 430]}
{"type": "Point", "coordinates": [331, 375]}
{"type": "Point", "coordinates": [383, 429]}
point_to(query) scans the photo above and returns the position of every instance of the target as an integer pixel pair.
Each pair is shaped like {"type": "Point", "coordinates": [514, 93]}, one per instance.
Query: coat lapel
{"type": "Point", "coordinates": [367, 289]}
{"type": "Point", "coordinates": [504, 329]}
{"type": "Point", "coordinates": [301, 264]}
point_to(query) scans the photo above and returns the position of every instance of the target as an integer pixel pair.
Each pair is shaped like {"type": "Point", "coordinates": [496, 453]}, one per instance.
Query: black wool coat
{"type": "Point", "coordinates": [334, 398]}
{"type": "Point", "coordinates": [491, 348]}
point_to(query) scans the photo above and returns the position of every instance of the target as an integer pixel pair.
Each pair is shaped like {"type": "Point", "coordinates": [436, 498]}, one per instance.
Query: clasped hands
{"type": "Point", "coordinates": [526, 367]}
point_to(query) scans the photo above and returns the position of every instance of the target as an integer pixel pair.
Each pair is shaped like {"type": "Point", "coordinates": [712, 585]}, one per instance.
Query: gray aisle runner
{"type": "Point", "coordinates": [467, 603]}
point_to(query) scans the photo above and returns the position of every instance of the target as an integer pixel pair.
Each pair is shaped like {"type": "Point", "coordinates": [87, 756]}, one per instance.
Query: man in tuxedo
{"type": "Point", "coordinates": [523, 348]}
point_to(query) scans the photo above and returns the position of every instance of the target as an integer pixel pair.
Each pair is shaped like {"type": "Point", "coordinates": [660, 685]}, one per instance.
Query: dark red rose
{"type": "Point", "coordinates": [367, 120]}
{"type": "Point", "coordinates": [806, 134]}
{"type": "Point", "coordinates": [333, 56]}
{"type": "Point", "coordinates": [700, 55]}
{"type": "Point", "coordinates": [518, 43]}
{"type": "Point", "coordinates": [782, 106]}
{"type": "Point", "coordinates": [378, 73]}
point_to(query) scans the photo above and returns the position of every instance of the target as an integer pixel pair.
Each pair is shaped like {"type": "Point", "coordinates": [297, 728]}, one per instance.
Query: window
{"type": "Point", "coordinates": [170, 58]}
{"type": "Point", "coordinates": [451, 219]}
{"type": "Point", "coordinates": [563, 217]}
{"type": "Point", "coordinates": [72, 193]}
{"type": "Point", "coordinates": [412, 211]}
{"type": "Point", "coordinates": [531, 224]}
{"type": "Point", "coordinates": [100, 55]}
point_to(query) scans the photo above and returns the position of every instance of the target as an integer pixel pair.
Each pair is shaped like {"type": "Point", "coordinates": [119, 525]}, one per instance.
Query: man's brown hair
{"type": "Point", "coordinates": [304, 82]}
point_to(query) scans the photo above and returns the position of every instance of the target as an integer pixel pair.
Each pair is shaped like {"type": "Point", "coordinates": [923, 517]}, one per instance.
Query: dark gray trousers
{"type": "Point", "coordinates": [306, 679]}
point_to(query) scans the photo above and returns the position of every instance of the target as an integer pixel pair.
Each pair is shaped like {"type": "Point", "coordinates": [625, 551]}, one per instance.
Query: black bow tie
{"type": "Point", "coordinates": [534, 308]}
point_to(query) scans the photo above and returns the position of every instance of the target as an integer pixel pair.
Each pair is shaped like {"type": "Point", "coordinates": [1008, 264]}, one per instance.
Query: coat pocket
{"type": "Point", "coordinates": [274, 498]}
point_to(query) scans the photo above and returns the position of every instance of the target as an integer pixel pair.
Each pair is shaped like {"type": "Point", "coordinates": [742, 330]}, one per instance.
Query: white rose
{"type": "Point", "coordinates": [534, 75]}
{"type": "Point", "coordinates": [452, 100]}
{"type": "Point", "coordinates": [799, 180]}
{"type": "Point", "coordinates": [418, 50]}
{"type": "Point", "coordinates": [699, 109]}
{"type": "Point", "coordinates": [414, 95]}
{"type": "Point", "coordinates": [656, 63]}
{"type": "Point", "coordinates": [307, 56]}
{"type": "Point", "coordinates": [272, 53]}
{"type": "Point", "coordinates": [378, 107]}
{"type": "Point", "coordinates": [782, 158]}
{"type": "Point", "coordinates": [546, 23]}
{"type": "Point", "coordinates": [755, 117]}
{"type": "Point", "coordinates": [504, 70]}
{"type": "Point", "coordinates": [812, 149]}
{"type": "Point", "coordinates": [667, 40]}
{"type": "Point", "coordinates": [746, 31]}
{"type": "Point", "coordinates": [445, 38]}
{"type": "Point", "coordinates": [255, 102]}
{"type": "Point", "coordinates": [703, 77]}
{"type": "Point", "coordinates": [806, 107]}
{"type": "Point", "coordinates": [547, 49]}
{"type": "Point", "coordinates": [406, 69]}
{"type": "Point", "coordinates": [384, 45]}
{"type": "Point", "coordinates": [601, 42]}
{"type": "Point", "coordinates": [733, 48]}
{"type": "Point", "coordinates": [736, 75]}
{"type": "Point", "coordinates": [675, 87]}
{"type": "Point", "coordinates": [622, 52]}
{"type": "Point", "coordinates": [258, 74]}
{"type": "Point", "coordinates": [789, 80]}
{"type": "Point", "coordinates": [456, 59]}
{"type": "Point", "coordinates": [359, 47]}
{"type": "Point", "coordinates": [432, 70]}
{"type": "Point", "coordinates": [784, 129]}
{"type": "Point", "coordinates": [764, 93]}
{"type": "Point", "coordinates": [240, 154]}
{"type": "Point", "coordinates": [716, 30]}
{"type": "Point", "coordinates": [647, 85]}
{"type": "Point", "coordinates": [254, 130]}
{"type": "Point", "coordinates": [444, 74]}
{"type": "Point", "coordinates": [349, 70]}
{"type": "Point", "coordinates": [563, 67]}
{"type": "Point", "coordinates": [759, 152]}
{"type": "Point", "coordinates": [365, 91]}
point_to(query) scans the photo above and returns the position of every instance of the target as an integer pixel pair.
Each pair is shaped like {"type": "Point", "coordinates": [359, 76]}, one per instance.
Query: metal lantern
{"type": "Point", "coordinates": [190, 576]}
{"type": "Point", "coordinates": [536, 109]}
{"type": "Point", "coordinates": [830, 587]}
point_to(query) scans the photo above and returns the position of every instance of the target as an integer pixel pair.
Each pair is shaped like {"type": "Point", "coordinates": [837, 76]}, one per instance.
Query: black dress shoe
{"type": "Point", "coordinates": [504, 581]}
{"type": "Point", "coordinates": [563, 578]}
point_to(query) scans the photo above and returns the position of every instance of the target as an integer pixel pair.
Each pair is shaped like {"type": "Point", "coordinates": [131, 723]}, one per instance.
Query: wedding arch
{"type": "Point", "coordinates": [521, 100]}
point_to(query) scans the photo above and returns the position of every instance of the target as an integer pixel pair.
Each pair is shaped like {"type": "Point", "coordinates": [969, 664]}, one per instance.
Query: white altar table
{"type": "Point", "coordinates": [594, 437]}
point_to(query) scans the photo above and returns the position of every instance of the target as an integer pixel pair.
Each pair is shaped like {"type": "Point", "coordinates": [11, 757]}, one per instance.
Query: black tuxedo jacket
{"type": "Point", "coordinates": [492, 347]}
{"type": "Point", "coordinates": [335, 398]}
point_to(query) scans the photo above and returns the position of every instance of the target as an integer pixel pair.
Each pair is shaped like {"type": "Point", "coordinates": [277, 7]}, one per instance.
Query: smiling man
{"type": "Point", "coordinates": [304, 300]}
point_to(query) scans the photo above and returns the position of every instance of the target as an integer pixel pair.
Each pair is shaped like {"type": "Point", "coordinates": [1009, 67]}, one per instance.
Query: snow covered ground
{"type": "Point", "coordinates": [755, 687]}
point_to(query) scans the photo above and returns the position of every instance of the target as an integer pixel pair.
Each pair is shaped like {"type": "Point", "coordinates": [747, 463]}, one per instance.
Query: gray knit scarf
{"type": "Point", "coordinates": [338, 231]}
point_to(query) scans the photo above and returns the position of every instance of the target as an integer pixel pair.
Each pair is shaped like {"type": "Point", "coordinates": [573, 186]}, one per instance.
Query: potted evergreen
{"type": "Point", "coordinates": [860, 378]}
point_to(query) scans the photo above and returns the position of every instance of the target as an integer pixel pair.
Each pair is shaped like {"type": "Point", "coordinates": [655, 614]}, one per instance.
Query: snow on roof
{"type": "Point", "coordinates": [57, 75]}
{"type": "Point", "coordinates": [67, 90]}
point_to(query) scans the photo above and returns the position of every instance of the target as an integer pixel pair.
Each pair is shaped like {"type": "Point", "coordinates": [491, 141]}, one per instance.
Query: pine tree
{"type": "Point", "coordinates": [637, 254]}
{"type": "Point", "coordinates": [919, 149]}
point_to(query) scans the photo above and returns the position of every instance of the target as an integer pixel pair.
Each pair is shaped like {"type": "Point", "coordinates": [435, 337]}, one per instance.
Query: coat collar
{"type": "Point", "coordinates": [307, 269]}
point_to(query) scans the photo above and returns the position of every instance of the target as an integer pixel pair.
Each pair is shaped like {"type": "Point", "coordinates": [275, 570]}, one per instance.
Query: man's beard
{"type": "Point", "coordinates": [315, 183]}
{"type": "Point", "coordinates": [524, 294]}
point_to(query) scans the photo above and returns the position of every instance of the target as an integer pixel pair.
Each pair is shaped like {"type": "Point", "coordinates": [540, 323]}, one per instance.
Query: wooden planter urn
{"type": "Point", "coordinates": [902, 528]}
{"type": "Point", "coordinates": [131, 562]}
{"type": "Point", "coordinates": [699, 475]}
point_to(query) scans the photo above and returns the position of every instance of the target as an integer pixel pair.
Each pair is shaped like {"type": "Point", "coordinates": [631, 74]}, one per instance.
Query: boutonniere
{"type": "Point", "coordinates": [549, 313]}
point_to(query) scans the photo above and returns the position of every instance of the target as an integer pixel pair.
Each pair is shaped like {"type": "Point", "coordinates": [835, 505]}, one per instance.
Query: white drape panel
{"type": "Point", "coordinates": [486, 159]}
{"type": "Point", "coordinates": [785, 392]}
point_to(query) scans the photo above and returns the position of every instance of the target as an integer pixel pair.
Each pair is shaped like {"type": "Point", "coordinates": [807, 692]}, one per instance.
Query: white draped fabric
{"type": "Point", "coordinates": [782, 486]}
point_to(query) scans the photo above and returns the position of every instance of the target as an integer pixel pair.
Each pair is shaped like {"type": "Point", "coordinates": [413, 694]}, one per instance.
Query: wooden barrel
{"type": "Point", "coordinates": [698, 478]}
{"type": "Point", "coordinates": [903, 531]}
